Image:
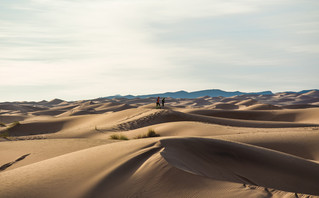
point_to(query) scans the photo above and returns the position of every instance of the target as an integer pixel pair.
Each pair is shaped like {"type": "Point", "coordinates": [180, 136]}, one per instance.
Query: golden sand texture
{"type": "Point", "coordinates": [242, 146]}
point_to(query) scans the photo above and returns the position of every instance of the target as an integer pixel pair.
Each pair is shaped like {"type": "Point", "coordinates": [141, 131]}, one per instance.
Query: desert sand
{"type": "Point", "coordinates": [241, 146]}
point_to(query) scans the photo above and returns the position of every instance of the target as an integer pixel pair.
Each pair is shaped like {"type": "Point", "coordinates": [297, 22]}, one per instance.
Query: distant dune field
{"type": "Point", "coordinates": [239, 146]}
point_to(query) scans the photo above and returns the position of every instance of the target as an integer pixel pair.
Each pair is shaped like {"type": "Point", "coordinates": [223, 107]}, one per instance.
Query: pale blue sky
{"type": "Point", "coordinates": [76, 49]}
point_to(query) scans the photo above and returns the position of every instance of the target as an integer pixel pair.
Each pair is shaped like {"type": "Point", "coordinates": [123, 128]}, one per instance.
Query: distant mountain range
{"type": "Point", "coordinates": [202, 93]}
{"type": "Point", "coordinates": [195, 94]}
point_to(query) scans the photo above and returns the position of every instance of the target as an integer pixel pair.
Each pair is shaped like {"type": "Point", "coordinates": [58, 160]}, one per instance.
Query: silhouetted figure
{"type": "Point", "coordinates": [158, 102]}
{"type": "Point", "coordinates": [163, 102]}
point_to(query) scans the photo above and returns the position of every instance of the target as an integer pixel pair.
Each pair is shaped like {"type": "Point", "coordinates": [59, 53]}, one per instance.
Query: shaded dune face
{"type": "Point", "coordinates": [36, 128]}
{"type": "Point", "coordinates": [242, 163]}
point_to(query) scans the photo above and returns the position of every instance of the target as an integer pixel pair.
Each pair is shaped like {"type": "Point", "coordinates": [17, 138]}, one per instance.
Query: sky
{"type": "Point", "coordinates": [85, 49]}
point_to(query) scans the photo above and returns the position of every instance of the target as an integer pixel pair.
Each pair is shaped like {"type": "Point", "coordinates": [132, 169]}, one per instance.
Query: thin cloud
{"type": "Point", "coordinates": [138, 46]}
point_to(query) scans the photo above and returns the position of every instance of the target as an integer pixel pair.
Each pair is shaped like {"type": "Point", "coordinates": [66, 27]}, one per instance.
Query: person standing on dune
{"type": "Point", "coordinates": [158, 102]}
{"type": "Point", "coordinates": [163, 102]}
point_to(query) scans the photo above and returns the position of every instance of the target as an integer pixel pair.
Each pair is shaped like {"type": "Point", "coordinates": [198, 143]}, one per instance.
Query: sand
{"type": "Point", "coordinates": [241, 146]}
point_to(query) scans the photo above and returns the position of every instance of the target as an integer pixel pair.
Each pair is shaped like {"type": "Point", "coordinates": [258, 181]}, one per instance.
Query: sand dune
{"type": "Point", "coordinates": [218, 167]}
{"type": "Point", "coordinates": [241, 146]}
{"type": "Point", "coordinates": [92, 108]}
{"type": "Point", "coordinates": [225, 106]}
{"type": "Point", "coordinates": [55, 102]}
{"type": "Point", "coordinates": [247, 102]}
{"type": "Point", "coordinates": [262, 107]}
{"type": "Point", "coordinates": [298, 115]}
{"type": "Point", "coordinates": [228, 119]}
{"type": "Point", "coordinates": [300, 106]}
{"type": "Point", "coordinates": [19, 108]}
{"type": "Point", "coordinates": [313, 93]}
{"type": "Point", "coordinates": [11, 118]}
{"type": "Point", "coordinates": [36, 127]}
